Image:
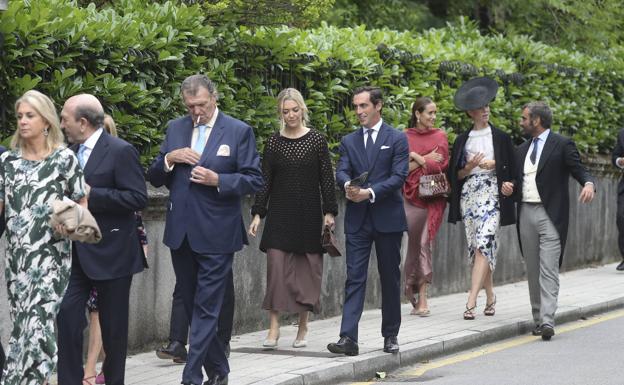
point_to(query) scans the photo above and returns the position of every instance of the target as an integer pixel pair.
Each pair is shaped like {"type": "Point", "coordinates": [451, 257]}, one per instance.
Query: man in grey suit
{"type": "Point", "coordinates": [545, 164]}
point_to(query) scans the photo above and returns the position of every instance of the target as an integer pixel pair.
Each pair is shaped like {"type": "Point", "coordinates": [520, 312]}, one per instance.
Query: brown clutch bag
{"type": "Point", "coordinates": [329, 243]}
{"type": "Point", "coordinates": [433, 186]}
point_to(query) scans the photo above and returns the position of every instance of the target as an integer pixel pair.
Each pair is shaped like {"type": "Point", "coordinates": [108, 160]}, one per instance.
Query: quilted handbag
{"type": "Point", "coordinates": [433, 186]}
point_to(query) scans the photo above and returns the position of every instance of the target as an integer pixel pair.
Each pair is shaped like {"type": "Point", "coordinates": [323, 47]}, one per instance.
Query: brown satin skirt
{"type": "Point", "coordinates": [293, 281]}
{"type": "Point", "coordinates": [418, 268]}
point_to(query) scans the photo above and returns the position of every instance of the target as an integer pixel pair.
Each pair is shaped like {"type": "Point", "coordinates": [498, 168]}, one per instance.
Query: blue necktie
{"type": "Point", "coordinates": [534, 152]}
{"type": "Point", "coordinates": [81, 155]}
{"type": "Point", "coordinates": [200, 143]}
{"type": "Point", "coordinates": [369, 145]}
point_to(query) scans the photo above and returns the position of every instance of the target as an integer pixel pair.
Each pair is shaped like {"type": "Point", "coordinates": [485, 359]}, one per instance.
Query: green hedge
{"type": "Point", "coordinates": [134, 58]}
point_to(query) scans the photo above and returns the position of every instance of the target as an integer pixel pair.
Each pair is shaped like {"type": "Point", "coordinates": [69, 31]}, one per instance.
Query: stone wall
{"type": "Point", "coordinates": [592, 240]}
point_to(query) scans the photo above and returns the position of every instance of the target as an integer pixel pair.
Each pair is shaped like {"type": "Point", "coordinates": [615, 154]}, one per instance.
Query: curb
{"type": "Point", "coordinates": [364, 366]}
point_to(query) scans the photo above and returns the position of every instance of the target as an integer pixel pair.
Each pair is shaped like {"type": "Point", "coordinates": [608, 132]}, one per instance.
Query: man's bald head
{"type": "Point", "coordinates": [81, 116]}
{"type": "Point", "coordinates": [89, 107]}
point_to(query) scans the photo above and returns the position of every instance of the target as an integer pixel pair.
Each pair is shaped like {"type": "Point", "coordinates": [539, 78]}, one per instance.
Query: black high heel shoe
{"type": "Point", "coordinates": [469, 314]}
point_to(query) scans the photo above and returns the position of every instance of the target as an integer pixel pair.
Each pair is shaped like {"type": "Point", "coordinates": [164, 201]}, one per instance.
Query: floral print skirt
{"type": "Point", "coordinates": [481, 216]}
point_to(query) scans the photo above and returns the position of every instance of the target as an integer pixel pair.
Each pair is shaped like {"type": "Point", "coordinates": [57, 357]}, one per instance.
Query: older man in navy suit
{"type": "Point", "coordinates": [374, 214]}
{"type": "Point", "coordinates": [117, 189]}
{"type": "Point", "coordinates": [209, 162]}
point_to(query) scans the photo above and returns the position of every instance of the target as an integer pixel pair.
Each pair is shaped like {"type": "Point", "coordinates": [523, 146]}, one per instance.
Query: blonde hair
{"type": "Point", "coordinates": [295, 96]}
{"type": "Point", "coordinates": [109, 125]}
{"type": "Point", "coordinates": [44, 107]}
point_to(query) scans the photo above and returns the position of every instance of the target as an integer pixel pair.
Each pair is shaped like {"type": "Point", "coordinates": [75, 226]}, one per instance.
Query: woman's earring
{"type": "Point", "coordinates": [46, 132]}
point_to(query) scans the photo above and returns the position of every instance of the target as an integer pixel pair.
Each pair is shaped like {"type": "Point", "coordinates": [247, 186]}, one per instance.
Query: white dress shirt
{"type": "Point", "coordinates": [375, 132]}
{"type": "Point", "coordinates": [540, 145]}
{"type": "Point", "coordinates": [195, 134]}
{"type": "Point", "coordinates": [90, 143]}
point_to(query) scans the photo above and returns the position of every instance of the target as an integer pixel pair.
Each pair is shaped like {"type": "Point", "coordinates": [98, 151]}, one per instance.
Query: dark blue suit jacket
{"type": "Point", "coordinates": [386, 176]}
{"type": "Point", "coordinates": [209, 217]}
{"type": "Point", "coordinates": [117, 190]}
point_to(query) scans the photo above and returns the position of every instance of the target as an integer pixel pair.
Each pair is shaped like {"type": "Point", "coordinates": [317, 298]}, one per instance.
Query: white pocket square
{"type": "Point", "coordinates": [385, 147]}
{"type": "Point", "coordinates": [224, 150]}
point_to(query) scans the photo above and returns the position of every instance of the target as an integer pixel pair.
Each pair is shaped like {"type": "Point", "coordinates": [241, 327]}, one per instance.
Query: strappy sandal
{"type": "Point", "coordinates": [469, 314]}
{"type": "Point", "coordinates": [87, 380]}
{"type": "Point", "coordinates": [489, 308]}
{"type": "Point", "coordinates": [421, 313]}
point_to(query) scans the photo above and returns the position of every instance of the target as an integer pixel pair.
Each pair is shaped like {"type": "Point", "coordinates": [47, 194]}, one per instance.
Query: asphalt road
{"type": "Point", "coordinates": [586, 352]}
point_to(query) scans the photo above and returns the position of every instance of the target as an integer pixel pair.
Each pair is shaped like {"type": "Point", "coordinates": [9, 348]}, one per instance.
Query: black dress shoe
{"type": "Point", "coordinates": [391, 345]}
{"type": "Point", "coordinates": [174, 351]}
{"type": "Point", "coordinates": [346, 346]}
{"type": "Point", "coordinates": [537, 331]}
{"type": "Point", "coordinates": [217, 379]}
{"type": "Point", "coordinates": [547, 332]}
{"type": "Point", "coordinates": [620, 267]}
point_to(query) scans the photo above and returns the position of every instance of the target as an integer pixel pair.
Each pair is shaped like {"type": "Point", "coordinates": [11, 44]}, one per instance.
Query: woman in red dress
{"type": "Point", "coordinates": [428, 148]}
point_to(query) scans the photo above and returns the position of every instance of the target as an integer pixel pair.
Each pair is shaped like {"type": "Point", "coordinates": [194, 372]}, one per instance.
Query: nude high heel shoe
{"type": "Point", "coordinates": [271, 343]}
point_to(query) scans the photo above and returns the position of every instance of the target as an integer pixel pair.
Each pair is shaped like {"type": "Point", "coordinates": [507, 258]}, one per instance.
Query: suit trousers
{"type": "Point", "coordinates": [179, 324]}
{"type": "Point", "coordinates": [388, 250]}
{"type": "Point", "coordinates": [113, 303]}
{"type": "Point", "coordinates": [541, 249]}
{"type": "Point", "coordinates": [620, 222]}
{"type": "Point", "coordinates": [202, 279]}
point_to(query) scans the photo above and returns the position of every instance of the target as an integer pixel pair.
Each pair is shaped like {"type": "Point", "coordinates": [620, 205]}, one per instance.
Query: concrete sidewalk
{"type": "Point", "coordinates": [583, 293]}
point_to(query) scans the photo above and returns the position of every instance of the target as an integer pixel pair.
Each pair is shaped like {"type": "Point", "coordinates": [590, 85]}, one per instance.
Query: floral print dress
{"type": "Point", "coordinates": [37, 265]}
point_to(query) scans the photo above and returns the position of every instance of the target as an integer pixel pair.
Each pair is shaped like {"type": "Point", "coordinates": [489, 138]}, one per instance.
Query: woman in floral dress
{"type": "Point", "coordinates": [36, 171]}
{"type": "Point", "coordinates": [482, 160]}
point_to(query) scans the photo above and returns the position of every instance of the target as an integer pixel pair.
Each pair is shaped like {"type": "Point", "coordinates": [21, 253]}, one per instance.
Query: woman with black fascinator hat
{"type": "Point", "coordinates": [482, 159]}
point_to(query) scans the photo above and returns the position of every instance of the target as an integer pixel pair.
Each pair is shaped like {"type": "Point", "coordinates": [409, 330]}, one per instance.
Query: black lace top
{"type": "Point", "coordinates": [297, 175]}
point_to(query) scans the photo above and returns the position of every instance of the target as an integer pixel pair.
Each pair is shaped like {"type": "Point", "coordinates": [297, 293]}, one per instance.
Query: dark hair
{"type": "Point", "coordinates": [93, 116]}
{"type": "Point", "coordinates": [193, 83]}
{"type": "Point", "coordinates": [540, 110]}
{"type": "Point", "coordinates": [375, 94]}
{"type": "Point", "coordinates": [419, 105]}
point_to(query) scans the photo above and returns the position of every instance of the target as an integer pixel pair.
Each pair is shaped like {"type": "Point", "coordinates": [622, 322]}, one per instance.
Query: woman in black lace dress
{"type": "Point", "coordinates": [300, 192]}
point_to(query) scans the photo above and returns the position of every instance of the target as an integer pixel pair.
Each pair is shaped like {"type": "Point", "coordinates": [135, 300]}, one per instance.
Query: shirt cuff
{"type": "Point", "coordinates": [168, 168]}
{"type": "Point", "coordinates": [372, 200]}
{"type": "Point", "coordinates": [617, 163]}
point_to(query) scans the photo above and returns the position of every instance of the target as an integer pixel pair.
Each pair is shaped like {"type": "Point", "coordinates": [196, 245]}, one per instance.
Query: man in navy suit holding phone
{"type": "Point", "coordinates": [209, 162]}
{"type": "Point", "coordinates": [374, 214]}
